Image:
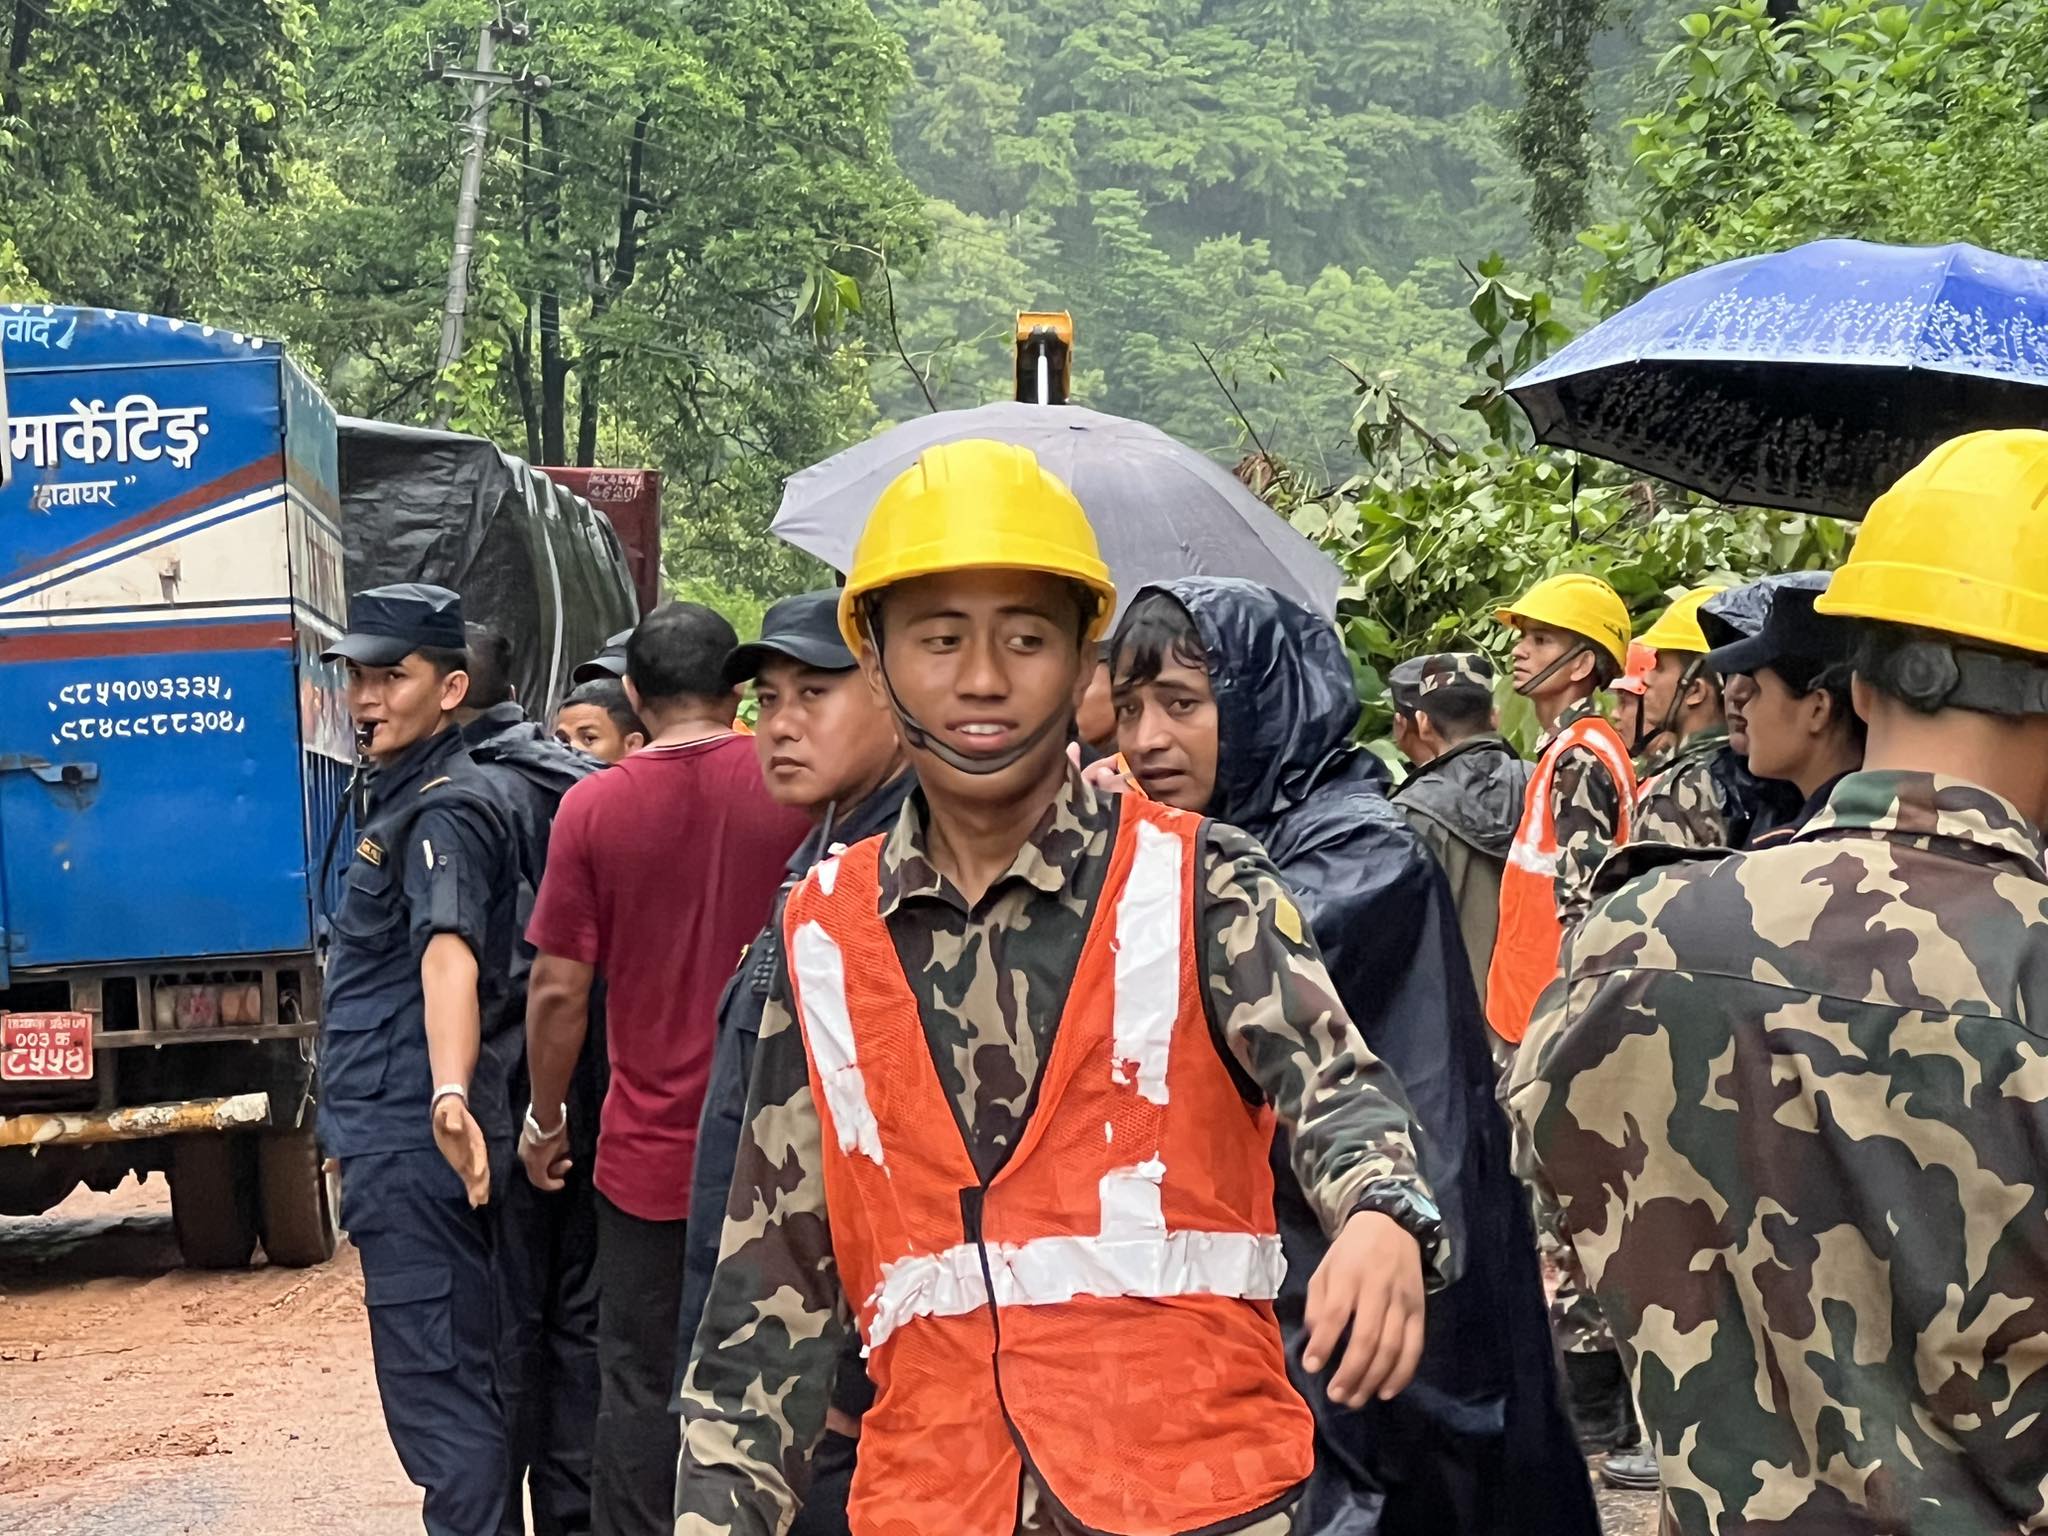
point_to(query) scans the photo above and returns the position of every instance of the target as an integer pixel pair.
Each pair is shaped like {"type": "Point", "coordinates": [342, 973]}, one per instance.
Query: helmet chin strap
{"type": "Point", "coordinates": [1646, 734]}
{"type": "Point", "coordinates": [1528, 690]}
{"type": "Point", "coordinates": [918, 739]}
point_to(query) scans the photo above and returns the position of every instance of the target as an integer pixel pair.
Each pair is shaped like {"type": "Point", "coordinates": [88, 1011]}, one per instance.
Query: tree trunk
{"type": "Point", "coordinates": [17, 56]}
{"type": "Point", "coordinates": [625, 259]}
{"type": "Point", "coordinates": [554, 367]}
{"type": "Point", "coordinates": [521, 352]}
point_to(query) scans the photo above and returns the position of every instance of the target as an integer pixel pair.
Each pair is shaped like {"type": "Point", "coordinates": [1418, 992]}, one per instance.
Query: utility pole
{"type": "Point", "coordinates": [486, 84]}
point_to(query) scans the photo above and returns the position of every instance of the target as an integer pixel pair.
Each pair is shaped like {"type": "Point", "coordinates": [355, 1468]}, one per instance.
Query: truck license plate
{"type": "Point", "coordinates": [45, 1047]}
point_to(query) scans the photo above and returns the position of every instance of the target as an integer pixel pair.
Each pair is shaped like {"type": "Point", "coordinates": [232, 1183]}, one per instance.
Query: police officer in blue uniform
{"type": "Point", "coordinates": [413, 1097]}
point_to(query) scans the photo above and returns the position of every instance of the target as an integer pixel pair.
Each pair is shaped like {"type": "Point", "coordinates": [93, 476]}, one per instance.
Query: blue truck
{"type": "Point", "coordinates": [174, 755]}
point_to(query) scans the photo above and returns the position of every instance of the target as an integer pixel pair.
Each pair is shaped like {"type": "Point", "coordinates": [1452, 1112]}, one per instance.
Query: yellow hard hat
{"type": "Point", "coordinates": [975, 505]}
{"type": "Point", "coordinates": [1959, 545]}
{"type": "Point", "coordinates": [1678, 627]}
{"type": "Point", "coordinates": [1581, 603]}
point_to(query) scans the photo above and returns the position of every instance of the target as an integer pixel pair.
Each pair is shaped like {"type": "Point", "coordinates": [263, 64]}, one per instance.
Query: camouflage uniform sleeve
{"type": "Point", "coordinates": [776, 1321]}
{"type": "Point", "coordinates": [1683, 808]}
{"type": "Point", "coordinates": [1587, 810]}
{"type": "Point", "coordinates": [1280, 1018]}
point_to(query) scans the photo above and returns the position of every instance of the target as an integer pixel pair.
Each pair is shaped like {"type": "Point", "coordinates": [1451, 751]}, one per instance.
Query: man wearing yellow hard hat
{"type": "Point", "coordinates": [1572, 635]}
{"type": "Point", "coordinates": [1014, 1096]}
{"type": "Point", "coordinates": [1691, 798]}
{"type": "Point", "coordinates": [1792, 1101]}
{"type": "Point", "coordinates": [1571, 641]}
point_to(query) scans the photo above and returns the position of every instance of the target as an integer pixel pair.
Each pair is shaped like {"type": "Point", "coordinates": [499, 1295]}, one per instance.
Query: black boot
{"type": "Point", "coordinates": [1597, 1392]}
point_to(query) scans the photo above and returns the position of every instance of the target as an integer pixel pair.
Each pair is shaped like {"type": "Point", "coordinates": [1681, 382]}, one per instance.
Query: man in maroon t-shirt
{"type": "Point", "coordinates": [660, 870]}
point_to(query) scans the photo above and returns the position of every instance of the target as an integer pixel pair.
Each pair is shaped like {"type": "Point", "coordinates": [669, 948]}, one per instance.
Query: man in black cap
{"type": "Point", "coordinates": [413, 1101]}
{"type": "Point", "coordinates": [1464, 798]}
{"type": "Point", "coordinates": [830, 750]}
{"type": "Point", "coordinates": [607, 663]}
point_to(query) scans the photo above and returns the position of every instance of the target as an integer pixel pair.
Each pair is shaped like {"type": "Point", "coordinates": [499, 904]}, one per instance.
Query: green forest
{"type": "Point", "coordinates": [726, 237]}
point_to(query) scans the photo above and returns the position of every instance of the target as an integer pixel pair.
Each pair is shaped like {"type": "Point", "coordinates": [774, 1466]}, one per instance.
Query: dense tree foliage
{"type": "Point", "coordinates": [736, 233]}
{"type": "Point", "coordinates": [1268, 181]}
{"type": "Point", "coordinates": [647, 226]}
{"type": "Point", "coordinates": [1909, 124]}
{"type": "Point", "coordinates": [130, 136]}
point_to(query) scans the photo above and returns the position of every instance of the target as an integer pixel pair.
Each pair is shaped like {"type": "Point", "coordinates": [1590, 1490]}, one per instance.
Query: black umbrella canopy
{"type": "Point", "coordinates": [1810, 379]}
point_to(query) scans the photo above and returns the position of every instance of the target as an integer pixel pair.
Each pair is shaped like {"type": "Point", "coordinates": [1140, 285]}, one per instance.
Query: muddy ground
{"type": "Point", "coordinates": [139, 1398]}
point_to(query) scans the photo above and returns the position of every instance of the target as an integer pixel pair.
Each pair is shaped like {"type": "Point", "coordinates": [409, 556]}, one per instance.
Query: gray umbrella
{"type": "Point", "coordinates": [1160, 508]}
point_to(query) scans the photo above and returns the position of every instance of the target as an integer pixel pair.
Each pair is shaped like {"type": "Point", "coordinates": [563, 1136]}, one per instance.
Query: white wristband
{"type": "Point", "coordinates": [534, 1129]}
{"type": "Point", "coordinates": [457, 1089]}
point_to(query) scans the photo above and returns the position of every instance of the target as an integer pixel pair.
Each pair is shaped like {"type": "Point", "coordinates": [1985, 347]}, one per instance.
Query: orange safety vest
{"type": "Point", "coordinates": [1131, 1358]}
{"type": "Point", "coordinates": [1525, 952]}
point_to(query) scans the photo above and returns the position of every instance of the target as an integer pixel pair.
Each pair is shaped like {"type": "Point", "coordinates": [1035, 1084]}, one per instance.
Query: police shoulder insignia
{"type": "Point", "coordinates": [371, 852]}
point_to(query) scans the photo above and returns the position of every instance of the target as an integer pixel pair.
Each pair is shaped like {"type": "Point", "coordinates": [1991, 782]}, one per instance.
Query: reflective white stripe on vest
{"type": "Point", "coordinates": [1047, 1271]}
{"type": "Point", "coordinates": [1524, 856]}
{"type": "Point", "coordinates": [1148, 940]}
{"type": "Point", "coordinates": [821, 990]}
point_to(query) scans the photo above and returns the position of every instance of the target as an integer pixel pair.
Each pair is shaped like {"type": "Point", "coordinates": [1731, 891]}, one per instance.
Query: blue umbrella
{"type": "Point", "coordinates": [1160, 508]}
{"type": "Point", "coordinates": [1810, 379]}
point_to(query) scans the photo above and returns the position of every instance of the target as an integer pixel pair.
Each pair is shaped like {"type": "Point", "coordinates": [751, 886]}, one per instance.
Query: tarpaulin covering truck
{"type": "Point", "coordinates": [174, 754]}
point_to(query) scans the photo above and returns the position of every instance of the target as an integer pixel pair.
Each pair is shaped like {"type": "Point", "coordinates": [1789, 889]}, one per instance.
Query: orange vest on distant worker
{"type": "Point", "coordinates": [1129, 1242]}
{"type": "Point", "coordinates": [1525, 952]}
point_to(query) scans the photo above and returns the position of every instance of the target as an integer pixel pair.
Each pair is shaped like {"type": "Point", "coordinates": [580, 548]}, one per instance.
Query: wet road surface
{"type": "Point", "coordinates": [140, 1398]}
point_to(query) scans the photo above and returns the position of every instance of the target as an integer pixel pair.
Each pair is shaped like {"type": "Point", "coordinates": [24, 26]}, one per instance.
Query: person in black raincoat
{"type": "Point", "coordinates": [1239, 703]}
{"type": "Point", "coordinates": [547, 1242]}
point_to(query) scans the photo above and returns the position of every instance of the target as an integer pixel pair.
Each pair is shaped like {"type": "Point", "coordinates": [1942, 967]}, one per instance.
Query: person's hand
{"type": "Point", "coordinates": [1105, 777]}
{"type": "Point", "coordinates": [546, 1158]}
{"type": "Point", "coordinates": [1371, 1282]}
{"type": "Point", "coordinates": [461, 1141]}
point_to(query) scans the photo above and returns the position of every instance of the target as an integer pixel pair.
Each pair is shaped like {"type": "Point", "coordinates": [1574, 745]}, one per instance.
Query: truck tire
{"type": "Point", "coordinates": [213, 1200]}
{"type": "Point", "coordinates": [301, 1202]}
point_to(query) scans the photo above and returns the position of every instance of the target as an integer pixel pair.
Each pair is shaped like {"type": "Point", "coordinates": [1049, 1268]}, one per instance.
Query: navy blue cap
{"type": "Point", "coordinates": [804, 628]}
{"type": "Point", "coordinates": [1788, 628]}
{"type": "Point", "coordinates": [609, 662]}
{"type": "Point", "coordinates": [387, 624]}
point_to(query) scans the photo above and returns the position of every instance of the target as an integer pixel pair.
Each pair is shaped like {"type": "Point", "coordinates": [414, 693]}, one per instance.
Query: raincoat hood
{"type": "Point", "coordinates": [1285, 700]}
{"type": "Point", "coordinates": [1474, 790]}
{"type": "Point", "coordinates": [1480, 1432]}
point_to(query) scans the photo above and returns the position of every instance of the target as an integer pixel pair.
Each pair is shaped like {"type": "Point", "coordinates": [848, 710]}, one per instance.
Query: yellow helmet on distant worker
{"type": "Point", "coordinates": [976, 505]}
{"type": "Point", "coordinates": [1579, 602]}
{"type": "Point", "coordinates": [1958, 545]}
{"type": "Point", "coordinates": [1678, 627]}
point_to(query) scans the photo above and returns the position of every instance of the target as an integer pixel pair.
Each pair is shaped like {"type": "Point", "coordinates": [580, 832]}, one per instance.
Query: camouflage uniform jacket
{"type": "Point", "coordinates": [1793, 1103]}
{"type": "Point", "coordinates": [1683, 803]}
{"type": "Point", "coordinates": [990, 981]}
{"type": "Point", "coordinates": [1586, 810]}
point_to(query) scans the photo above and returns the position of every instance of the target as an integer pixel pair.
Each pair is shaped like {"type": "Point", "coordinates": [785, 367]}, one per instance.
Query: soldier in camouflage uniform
{"type": "Point", "coordinates": [1573, 640]}
{"type": "Point", "coordinates": [987, 887]}
{"type": "Point", "coordinates": [1791, 1101]}
{"type": "Point", "coordinates": [1688, 799]}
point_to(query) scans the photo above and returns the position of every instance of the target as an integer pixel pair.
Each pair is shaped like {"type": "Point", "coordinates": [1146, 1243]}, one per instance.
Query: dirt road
{"type": "Point", "coordinates": [139, 1398]}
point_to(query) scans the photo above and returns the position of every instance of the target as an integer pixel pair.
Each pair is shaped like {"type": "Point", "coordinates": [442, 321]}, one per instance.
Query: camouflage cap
{"type": "Point", "coordinates": [1467, 673]}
